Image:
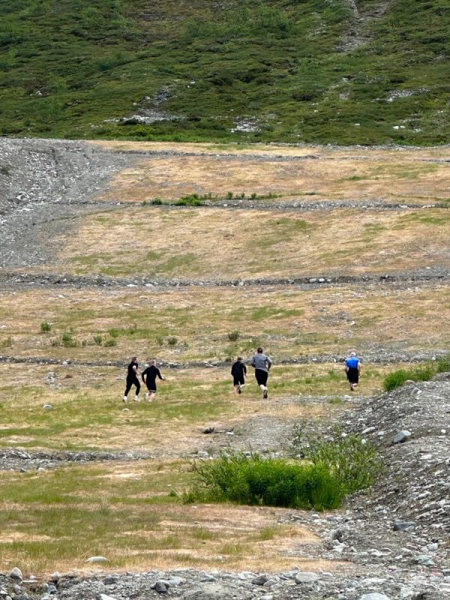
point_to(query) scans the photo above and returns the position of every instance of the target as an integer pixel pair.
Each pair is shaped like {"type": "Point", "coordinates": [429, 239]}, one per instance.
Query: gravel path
{"type": "Point", "coordinates": [310, 281]}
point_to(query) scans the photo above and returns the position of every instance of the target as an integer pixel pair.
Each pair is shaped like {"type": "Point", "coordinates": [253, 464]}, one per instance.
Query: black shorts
{"type": "Point", "coordinates": [261, 376]}
{"type": "Point", "coordinates": [151, 386]}
{"type": "Point", "coordinates": [239, 380]}
{"type": "Point", "coordinates": [353, 375]}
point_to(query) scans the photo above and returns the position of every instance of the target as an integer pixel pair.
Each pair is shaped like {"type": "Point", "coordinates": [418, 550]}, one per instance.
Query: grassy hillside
{"type": "Point", "coordinates": [308, 71]}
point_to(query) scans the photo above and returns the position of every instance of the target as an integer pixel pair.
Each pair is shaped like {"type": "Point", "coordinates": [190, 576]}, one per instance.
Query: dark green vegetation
{"type": "Point", "coordinates": [418, 373]}
{"type": "Point", "coordinates": [331, 471]}
{"type": "Point", "coordinates": [309, 71]}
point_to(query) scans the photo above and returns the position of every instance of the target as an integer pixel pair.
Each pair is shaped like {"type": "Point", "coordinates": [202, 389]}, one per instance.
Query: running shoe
{"type": "Point", "coordinates": [125, 399]}
{"type": "Point", "coordinates": [239, 389]}
{"type": "Point", "coordinates": [266, 394]}
{"type": "Point", "coordinates": [136, 398]}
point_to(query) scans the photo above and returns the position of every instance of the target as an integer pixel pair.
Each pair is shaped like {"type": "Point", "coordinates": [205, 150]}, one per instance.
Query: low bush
{"type": "Point", "coordinates": [98, 340]}
{"type": "Point", "coordinates": [265, 481]}
{"type": "Point", "coordinates": [418, 373]}
{"type": "Point", "coordinates": [191, 200]}
{"type": "Point", "coordinates": [354, 461]}
{"type": "Point", "coordinates": [111, 342]}
{"type": "Point", "coordinates": [68, 340]}
{"type": "Point", "coordinates": [233, 336]}
{"type": "Point", "coordinates": [46, 327]}
{"type": "Point", "coordinates": [172, 340]}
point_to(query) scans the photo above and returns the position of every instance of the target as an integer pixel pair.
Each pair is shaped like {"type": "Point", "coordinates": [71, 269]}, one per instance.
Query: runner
{"type": "Point", "coordinates": [132, 379]}
{"type": "Point", "coordinates": [353, 368]}
{"type": "Point", "coordinates": [149, 378]}
{"type": "Point", "coordinates": [239, 371]}
{"type": "Point", "coordinates": [261, 363]}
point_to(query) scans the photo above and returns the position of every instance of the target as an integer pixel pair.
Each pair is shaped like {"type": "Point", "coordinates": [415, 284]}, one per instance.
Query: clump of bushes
{"type": "Point", "coordinates": [325, 474]}
{"type": "Point", "coordinates": [191, 200]}
{"type": "Point", "coordinates": [265, 481]}
{"type": "Point", "coordinates": [418, 373]}
{"type": "Point", "coordinates": [233, 336]}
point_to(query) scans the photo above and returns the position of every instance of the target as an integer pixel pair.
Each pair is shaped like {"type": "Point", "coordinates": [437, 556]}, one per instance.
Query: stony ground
{"type": "Point", "coordinates": [392, 543]}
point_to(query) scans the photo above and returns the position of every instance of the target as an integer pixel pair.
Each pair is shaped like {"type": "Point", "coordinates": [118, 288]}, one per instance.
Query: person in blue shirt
{"type": "Point", "coordinates": [353, 369]}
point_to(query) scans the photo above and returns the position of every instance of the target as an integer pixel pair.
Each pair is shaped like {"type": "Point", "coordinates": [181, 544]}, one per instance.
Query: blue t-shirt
{"type": "Point", "coordinates": [352, 363]}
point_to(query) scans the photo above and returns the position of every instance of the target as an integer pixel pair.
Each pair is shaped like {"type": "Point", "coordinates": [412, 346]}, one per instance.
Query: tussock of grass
{"type": "Point", "coordinates": [418, 373]}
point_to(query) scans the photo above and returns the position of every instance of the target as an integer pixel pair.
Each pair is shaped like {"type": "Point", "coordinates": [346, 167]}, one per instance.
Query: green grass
{"type": "Point", "coordinates": [67, 69]}
{"type": "Point", "coordinates": [417, 373]}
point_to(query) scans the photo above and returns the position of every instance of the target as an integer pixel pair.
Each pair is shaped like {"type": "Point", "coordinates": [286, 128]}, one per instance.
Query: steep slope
{"type": "Point", "coordinates": [339, 71]}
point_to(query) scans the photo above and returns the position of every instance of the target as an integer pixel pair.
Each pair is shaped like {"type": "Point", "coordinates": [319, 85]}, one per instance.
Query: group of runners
{"type": "Point", "coordinates": [260, 362]}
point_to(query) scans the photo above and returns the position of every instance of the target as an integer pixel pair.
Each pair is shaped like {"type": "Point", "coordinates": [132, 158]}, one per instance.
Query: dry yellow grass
{"type": "Point", "coordinates": [137, 526]}
{"type": "Point", "coordinates": [394, 175]}
{"type": "Point", "coordinates": [288, 321]}
{"type": "Point", "coordinates": [220, 244]}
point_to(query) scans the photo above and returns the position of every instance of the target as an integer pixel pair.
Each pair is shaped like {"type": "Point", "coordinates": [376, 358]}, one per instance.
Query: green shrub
{"type": "Point", "coordinates": [157, 202]}
{"type": "Point", "coordinates": [68, 340]}
{"type": "Point", "coordinates": [8, 343]}
{"type": "Point", "coordinates": [443, 364]}
{"type": "Point", "coordinates": [46, 327]}
{"type": "Point", "coordinates": [111, 342]}
{"type": "Point", "coordinates": [233, 336]}
{"type": "Point", "coordinates": [191, 200]}
{"type": "Point", "coordinates": [354, 461]}
{"type": "Point", "coordinates": [114, 333]}
{"type": "Point", "coordinates": [172, 340]}
{"type": "Point", "coordinates": [98, 340]}
{"type": "Point", "coordinates": [398, 378]}
{"type": "Point", "coordinates": [272, 482]}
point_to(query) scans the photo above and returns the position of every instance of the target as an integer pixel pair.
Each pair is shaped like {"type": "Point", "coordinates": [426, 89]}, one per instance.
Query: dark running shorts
{"type": "Point", "coordinates": [261, 376]}
{"type": "Point", "coordinates": [151, 387]}
{"type": "Point", "coordinates": [353, 375]}
{"type": "Point", "coordinates": [238, 380]}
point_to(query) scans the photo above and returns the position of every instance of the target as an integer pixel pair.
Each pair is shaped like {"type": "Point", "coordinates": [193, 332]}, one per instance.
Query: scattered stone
{"type": "Point", "coordinates": [403, 525]}
{"type": "Point", "coordinates": [374, 596]}
{"type": "Point", "coordinates": [97, 559]}
{"type": "Point", "coordinates": [401, 437]}
{"type": "Point", "coordinates": [260, 580]}
{"type": "Point", "coordinates": [161, 587]}
{"type": "Point", "coordinates": [16, 573]}
{"type": "Point", "coordinates": [110, 580]}
{"type": "Point", "coordinates": [306, 577]}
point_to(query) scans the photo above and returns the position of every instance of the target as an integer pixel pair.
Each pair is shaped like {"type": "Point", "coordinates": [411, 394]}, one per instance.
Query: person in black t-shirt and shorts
{"type": "Point", "coordinates": [239, 371]}
{"type": "Point", "coordinates": [132, 379]}
{"type": "Point", "coordinates": [149, 378]}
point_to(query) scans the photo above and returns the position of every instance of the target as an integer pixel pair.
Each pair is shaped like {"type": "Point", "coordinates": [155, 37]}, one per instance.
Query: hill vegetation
{"type": "Point", "coordinates": [329, 71]}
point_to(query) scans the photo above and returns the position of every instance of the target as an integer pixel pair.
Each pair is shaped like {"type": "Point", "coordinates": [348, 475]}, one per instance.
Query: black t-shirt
{"type": "Point", "coordinates": [238, 369]}
{"type": "Point", "coordinates": [131, 372]}
{"type": "Point", "coordinates": [152, 373]}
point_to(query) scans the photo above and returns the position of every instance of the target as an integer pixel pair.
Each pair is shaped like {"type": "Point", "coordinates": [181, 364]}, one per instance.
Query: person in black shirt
{"type": "Point", "coordinates": [239, 371]}
{"type": "Point", "coordinates": [132, 379]}
{"type": "Point", "coordinates": [149, 378]}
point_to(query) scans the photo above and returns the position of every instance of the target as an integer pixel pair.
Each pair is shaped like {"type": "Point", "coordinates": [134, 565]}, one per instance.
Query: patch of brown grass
{"type": "Point", "coordinates": [220, 244]}
{"type": "Point", "coordinates": [288, 321]}
{"type": "Point", "coordinates": [330, 173]}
